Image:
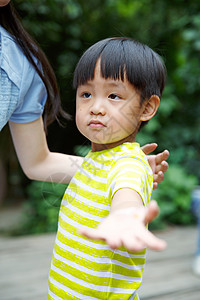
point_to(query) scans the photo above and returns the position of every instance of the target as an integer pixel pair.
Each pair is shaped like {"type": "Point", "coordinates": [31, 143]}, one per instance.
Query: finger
{"type": "Point", "coordinates": [163, 156]}
{"type": "Point", "coordinates": [159, 177]}
{"type": "Point", "coordinates": [113, 242]}
{"type": "Point", "coordinates": [155, 185]}
{"type": "Point", "coordinates": [132, 243]}
{"type": "Point", "coordinates": [152, 211]}
{"type": "Point", "coordinates": [164, 166]}
{"type": "Point", "coordinates": [148, 239]}
{"type": "Point", "coordinates": [91, 233]}
{"type": "Point", "coordinates": [143, 240]}
{"type": "Point", "coordinates": [148, 148]}
{"type": "Point", "coordinates": [154, 243]}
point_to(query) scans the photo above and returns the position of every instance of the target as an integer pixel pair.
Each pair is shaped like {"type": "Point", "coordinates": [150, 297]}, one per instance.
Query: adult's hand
{"type": "Point", "coordinates": [157, 163]}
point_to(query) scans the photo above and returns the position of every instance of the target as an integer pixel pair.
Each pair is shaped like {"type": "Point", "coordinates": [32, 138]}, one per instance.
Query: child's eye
{"type": "Point", "coordinates": [114, 97]}
{"type": "Point", "coordinates": [86, 95]}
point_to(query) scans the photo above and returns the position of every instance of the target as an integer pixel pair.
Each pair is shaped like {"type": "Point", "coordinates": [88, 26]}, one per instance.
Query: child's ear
{"type": "Point", "coordinates": [150, 108]}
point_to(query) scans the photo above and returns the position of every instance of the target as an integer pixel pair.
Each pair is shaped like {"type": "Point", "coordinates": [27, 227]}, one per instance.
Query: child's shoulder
{"type": "Point", "coordinates": [130, 153]}
{"type": "Point", "coordinates": [129, 150]}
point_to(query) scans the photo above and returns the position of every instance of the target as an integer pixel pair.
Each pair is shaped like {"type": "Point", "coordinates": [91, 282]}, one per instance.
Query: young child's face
{"type": "Point", "coordinates": [107, 111]}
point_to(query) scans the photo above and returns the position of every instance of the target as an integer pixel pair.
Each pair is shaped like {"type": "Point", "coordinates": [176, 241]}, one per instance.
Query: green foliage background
{"type": "Point", "coordinates": [65, 28]}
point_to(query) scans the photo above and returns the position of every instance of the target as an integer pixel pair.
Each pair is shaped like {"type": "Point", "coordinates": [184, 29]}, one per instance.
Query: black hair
{"type": "Point", "coordinates": [121, 58]}
{"type": "Point", "coordinates": [9, 19]}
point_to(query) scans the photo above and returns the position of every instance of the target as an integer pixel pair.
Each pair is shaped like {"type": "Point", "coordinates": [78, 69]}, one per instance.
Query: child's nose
{"type": "Point", "coordinates": [97, 107]}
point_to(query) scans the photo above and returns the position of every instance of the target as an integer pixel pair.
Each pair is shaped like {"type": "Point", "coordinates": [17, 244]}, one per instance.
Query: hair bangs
{"type": "Point", "coordinates": [113, 63]}
{"type": "Point", "coordinates": [120, 59]}
{"type": "Point", "coordinates": [85, 68]}
{"type": "Point", "coordinates": [84, 71]}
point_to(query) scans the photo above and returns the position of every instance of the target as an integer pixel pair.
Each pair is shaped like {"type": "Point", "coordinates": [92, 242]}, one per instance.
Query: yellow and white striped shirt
{"type": "Point", "coordinates": [86, 269]}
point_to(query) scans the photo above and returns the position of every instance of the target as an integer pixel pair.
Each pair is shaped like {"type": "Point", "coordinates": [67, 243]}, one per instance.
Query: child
{"type": "Point", "coordinates": [103, 218]}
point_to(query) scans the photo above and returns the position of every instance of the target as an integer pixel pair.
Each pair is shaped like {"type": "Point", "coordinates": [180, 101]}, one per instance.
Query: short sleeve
{"type": "Point", "coordinates": [133, 173]}
{"type": "Point", "coordinates": [32, 96]}
{"type": "Point", "coordinates": [31, 92]}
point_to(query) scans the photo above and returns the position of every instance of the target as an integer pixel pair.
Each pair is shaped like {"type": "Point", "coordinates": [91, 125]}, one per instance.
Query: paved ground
{"type": "Point", "coordinates": [25, 261]}
{"type": "Point", "coordinates": [168, 274]}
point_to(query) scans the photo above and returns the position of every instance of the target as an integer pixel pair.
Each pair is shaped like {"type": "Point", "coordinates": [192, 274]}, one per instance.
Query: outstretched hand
{"type": "Point", "coordinates": [157, 163]}
{"type": "Point", "coordinates": [127, 227]}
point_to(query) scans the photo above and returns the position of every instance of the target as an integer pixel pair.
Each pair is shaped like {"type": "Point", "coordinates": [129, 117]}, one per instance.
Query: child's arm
{"type": "Point", "coordinates": [126, 223]}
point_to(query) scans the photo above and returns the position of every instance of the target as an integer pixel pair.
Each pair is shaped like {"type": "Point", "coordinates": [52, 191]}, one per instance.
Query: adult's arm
{"type": "Point", "coordinates": [37, 162]}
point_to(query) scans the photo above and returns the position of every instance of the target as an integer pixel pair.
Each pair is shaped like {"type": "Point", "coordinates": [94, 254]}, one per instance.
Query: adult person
{"type": "Point", "coordinates": [29, 101]}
